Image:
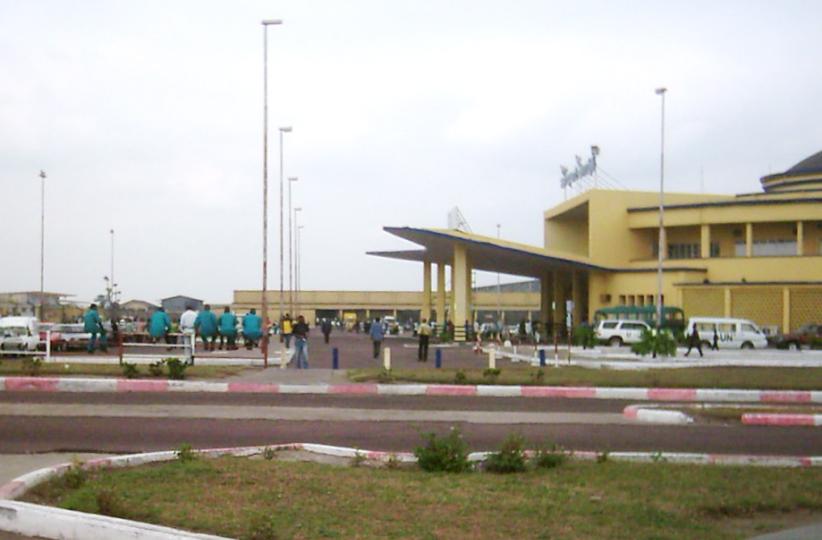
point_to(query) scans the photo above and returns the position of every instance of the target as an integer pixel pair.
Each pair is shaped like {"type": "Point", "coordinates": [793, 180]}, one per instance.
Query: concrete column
{"type": "Point", "coordinates": [368, 314]}
{"type": "Point", "coordinates": [461, 272]}
{"type": "Point", "coordinates": [440, 294]}
{"type": "Point", "coordinates": [800, 239]}
{"type": "Point", "coordinates": [786, 310]}
{"type": "Point", "coordinates": [546, 293]}
{"type": "Point", "coordinates": [728, 306]}
{"type": "Point", "coordinates": [425, 310]}
{"type": "Point", "coordinates": [453, 299]}
{"type": "Point", "coordinates": [749, 239]}
{"type": "Point", "coordinates": [559, 301]}
{"type": "Point", "coordinates": [469, 295]}
{"type": "Point", "coordinates": [705, 241]}
{"type": "Point", "coordinates": [576, 295]}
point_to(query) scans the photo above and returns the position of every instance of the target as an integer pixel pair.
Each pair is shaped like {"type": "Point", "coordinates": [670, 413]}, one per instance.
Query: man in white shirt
{"type": "Point", "coordinates": [187, 327]}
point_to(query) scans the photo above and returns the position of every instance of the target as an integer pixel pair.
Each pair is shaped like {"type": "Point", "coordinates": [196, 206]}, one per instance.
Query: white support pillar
{"type": "Point", "coordinates": [800, 239]}
{"type": "Point", "coordinates": [461, 272]}
{"type": "Point", "coordinates": [425, 310]}
{"type": "Point", "coordinates": [440, 295]}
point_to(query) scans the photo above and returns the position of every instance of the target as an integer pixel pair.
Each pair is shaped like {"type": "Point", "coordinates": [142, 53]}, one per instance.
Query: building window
{"type": "Point", "coordinates": [621, 299]}
{"type": "Point", "coordinates": [768, 248]}
{"type": "Point", "coordinates": [714, 249]}
{"type": "Point", "coordinates": [683, 251]}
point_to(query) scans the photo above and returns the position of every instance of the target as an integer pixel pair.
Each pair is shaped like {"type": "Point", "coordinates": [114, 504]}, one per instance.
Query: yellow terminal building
{"type": "Point", "coordinates": [755, 255]}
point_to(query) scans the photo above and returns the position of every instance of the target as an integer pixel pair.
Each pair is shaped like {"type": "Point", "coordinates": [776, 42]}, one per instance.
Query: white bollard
{"type": "Point", "coordinates": [386, 358]}
{"type": "Point", "coordinates": [492, 359]}
{"type": "Point", "coordinates": [283, 355]}
{"type": "Point", "coordinates": [48, 345]}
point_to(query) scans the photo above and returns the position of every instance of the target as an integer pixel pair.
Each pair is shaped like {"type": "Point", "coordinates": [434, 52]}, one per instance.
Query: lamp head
{"type": "Point", "coordinates": [269, 22]}
{"type": "Point", "coordinates": [292, 178]}
{"type": "Point", "coordinates": [660, 91]}
{"type": "Point", "coordinates": [285, 129]}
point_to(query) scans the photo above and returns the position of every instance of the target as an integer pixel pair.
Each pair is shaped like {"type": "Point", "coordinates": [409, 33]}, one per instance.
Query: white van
{"type": "Point", "coordinates": [731, 333]}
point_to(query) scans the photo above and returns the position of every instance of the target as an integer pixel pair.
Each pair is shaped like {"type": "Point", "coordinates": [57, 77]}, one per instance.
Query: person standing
{"type": "Point", "coordinates": [187, 325]}
{"type": "Point", "coordinates": [377, 335]}
{"type": "Point", "coordinates": [424, 331]}
{"type": "Point", "coordinates": [228, 329]}
{"type": "Point", "coordinates": [158, 325]}
{"type": "Point", "coordinates": [252, 329]}
{"type": "Point", "coordinates": [694, 341]}
{"type": "Point", "coordinates": [300, 332]}
{"type": "Point", "coordinates": [326, 328]}
{"type": "Point", "coordinates": [286, 330]}
{"type": "Point", "coordinates": [91, 325]}
{"type": "Point", "coordinates": [206, 325]}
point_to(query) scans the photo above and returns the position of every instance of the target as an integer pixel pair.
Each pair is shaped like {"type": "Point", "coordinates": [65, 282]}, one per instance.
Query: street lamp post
{"type": "Point", "coordinates": [299, 258]}
{"type": "Point", "coordinates": [266, 23]}
{"type": "Point", "coordinates": [291, 181]}
{"type": "Point", "coordinates": [42, 237]}
{"type": "Point", "coordinates": [661, 248]}
{"type": "Point", "coordinates": [296, 254]}
{"type": "Point", "coordinates": [111, 232]}
{"type": "Point", "coordinates": [499, 289]}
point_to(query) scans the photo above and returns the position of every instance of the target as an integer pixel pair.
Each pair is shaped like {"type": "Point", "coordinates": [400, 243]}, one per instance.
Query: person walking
{"type": "Point", "coordinates": [424, 331]}
{"type": "Point", "coordinates": [694, 341]}
{"type": "Point", "coordinates": [159, 325]}
{"type": "Point", "coordinates": [377, 335]}
{"type": "Point", "coordinates": [715, 343]}
{"type": "Point", "coordinates": [206, 325]}
{"type": "Point", "coordinates": [252, 329]}
{"type": "Point", "coordinates": [326, 328]}
{"type": "Point", "coordinates": [91, 325]}
{"type": "Point", "coordinates": [228, 329]}
{"type": "Point", "coordinates": [286, 330]}
{"type": "Point", "coordinates": [300, 331]}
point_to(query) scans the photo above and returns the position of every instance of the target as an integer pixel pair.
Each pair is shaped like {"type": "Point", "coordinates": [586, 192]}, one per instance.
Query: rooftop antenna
{"type": "Point", "coordinates": [457, 221]}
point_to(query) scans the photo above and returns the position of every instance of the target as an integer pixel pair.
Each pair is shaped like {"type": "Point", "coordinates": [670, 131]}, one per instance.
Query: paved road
{"type": "Point", "coordinates": [56, 422]}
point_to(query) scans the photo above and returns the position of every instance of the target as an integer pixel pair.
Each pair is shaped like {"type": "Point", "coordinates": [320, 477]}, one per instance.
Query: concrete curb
{"type": "Point", "coordinates": [66, 384]}
{"type": "Point", "coordinates": [656, 416]}
{"type": "Point", "coordinates": [777, 419]}
{"type": "Point", "coordinates": [55, 523]}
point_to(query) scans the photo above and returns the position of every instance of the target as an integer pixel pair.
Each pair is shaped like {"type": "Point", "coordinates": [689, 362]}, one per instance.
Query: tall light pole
{"type": "Point", "coordinates": [661, 92]}
{"type": "Point", "coordinates": [499, 289]}
{"type": "Point", "coordinates": [299, 257]}
{"type": "Point", "coordinates": [42, 236]}
{"type": "Point", "coordinates": [283, 131]}
{"type": "Point", "coordinates": [291, 181]}
{"type": "Point", "coordinates": [266, 23]}
{"type": "Point", "coordinates": [111, 232]}
{"type": "Point", "coordinates": [297, 252]}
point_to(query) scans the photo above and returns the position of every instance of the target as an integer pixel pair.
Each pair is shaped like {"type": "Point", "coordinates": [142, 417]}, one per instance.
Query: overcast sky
{"type": "Point", "coordinates": [147, 118]}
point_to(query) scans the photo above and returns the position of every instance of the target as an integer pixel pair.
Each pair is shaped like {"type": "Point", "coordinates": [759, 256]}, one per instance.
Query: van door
{"type": "Point", "coordinates": [728, 336]}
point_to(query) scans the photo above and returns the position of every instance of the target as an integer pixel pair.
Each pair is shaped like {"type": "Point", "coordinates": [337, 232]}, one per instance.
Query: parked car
{"type": "Point", "coordinates": [51, 332]}
{"type": "Point", "coordinates": [72, 335]}
{"type": "Point", "coordinates": [731, 333]}
{"type": "Point", "coordinates": [18, 334]}
{"type": "Point", "coordinates": [809, 335]}
{"type": "Point", "coordinates": [618, 332]}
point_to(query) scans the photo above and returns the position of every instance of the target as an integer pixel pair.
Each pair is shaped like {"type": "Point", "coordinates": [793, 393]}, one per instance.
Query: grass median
{"type": "Point", "coordinates": [714, 377]}
{"type": "Point", "coordinates": [15, 368]}
{"type": "Point", "coordinates": [261, 500]}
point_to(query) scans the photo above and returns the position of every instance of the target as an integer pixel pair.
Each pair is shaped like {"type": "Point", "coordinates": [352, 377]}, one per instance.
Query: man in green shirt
{"type": "Point", "coordinates": [91, 325]}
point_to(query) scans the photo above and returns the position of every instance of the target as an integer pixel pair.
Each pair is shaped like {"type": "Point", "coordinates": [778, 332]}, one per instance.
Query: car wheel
{"type": "Point", "coordinates": [615, 341]}
{"type": "Point", "coordinates": [747, 345]}
{"type": "Point", "coordinates": [793, 346]}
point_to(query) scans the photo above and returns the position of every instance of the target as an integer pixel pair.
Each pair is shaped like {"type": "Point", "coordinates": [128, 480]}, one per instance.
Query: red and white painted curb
{"type": "Point", "coordinates": [780, 419]}
{"type": "Point", "coordinates": [656, 416]}
{"type": "Point", "coordinates": [48, 522]}
{"type": "Point", "coordinates": [66, 384]}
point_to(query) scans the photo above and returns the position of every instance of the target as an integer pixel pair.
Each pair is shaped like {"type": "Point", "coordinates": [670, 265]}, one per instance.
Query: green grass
{"type": "Point", "coordinates": [258, 499]}
{"type": "Point", "coordinates": [14, 367]}
{"type": "Point", "coordinates": [718, 377]}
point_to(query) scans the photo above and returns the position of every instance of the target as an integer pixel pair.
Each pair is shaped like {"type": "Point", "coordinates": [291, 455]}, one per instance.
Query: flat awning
{"type": "Point", "coordinates": [484, 252]}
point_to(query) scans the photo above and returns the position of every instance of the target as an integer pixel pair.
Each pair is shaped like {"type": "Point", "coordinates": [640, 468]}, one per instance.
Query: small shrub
{"type": "Point", "coordinates": [491, 374]}
{"type": "Point", "coordinates": [358, 459]}
{"type": "Point", "coordinates": [393, 462]}
{"type": "Point", "coordinates": [446, 454]}
{"type": "Point", "coordinates": [186, 454]}
{"type": "Point", "coordinates": [660, 343]}
{"type": "Point", "coordinates": [658, 457]}
{"type": "Point", "coordinates": [155, 369]}
{"type": "Point", "coordinates": [538, 376]}
{"type": "Point", "coordinates": [460, 377]}
{"type": "Point", "coordinates": [585, 337]}
{"type": "Point", "coordinates": [549, 458]}
{"type": "Point", "coordinates": [269, 453]}
{"type": "Point", "coordinates": [130, 371]}
{"type": "Point", "coordinates": [109, 504]}
{"type": "Point", "coordinates": [603, 457]}
{"type": "Point", "coordinates": [385, 376]}
{"type": "Point", "coordinates": [510, 458]}
{"type": "Point", "coordinates": [176, 368]}
{"type": "Point", "coordinates": [32, 366]}
{"type": "Point", "coordinates": [75, 476]}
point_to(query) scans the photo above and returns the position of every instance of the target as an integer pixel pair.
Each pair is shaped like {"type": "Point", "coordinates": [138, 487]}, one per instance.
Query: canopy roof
{"type": "Point", "coordinates": [484, 252]}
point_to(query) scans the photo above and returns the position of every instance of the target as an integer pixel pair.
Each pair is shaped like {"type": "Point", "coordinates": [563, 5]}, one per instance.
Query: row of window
{"type": "Point", "coordinates": [639, 299]}
{"type": "Point", "coordinates": [761, 248]}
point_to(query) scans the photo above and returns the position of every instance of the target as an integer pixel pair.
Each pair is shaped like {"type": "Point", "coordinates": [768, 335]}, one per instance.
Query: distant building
{"type": "Point", "coordinates": [137, 308]}
{"type": "Point", "coordinates": [27, 302]}
{"type": "Point", "coordinates": [178, 304]}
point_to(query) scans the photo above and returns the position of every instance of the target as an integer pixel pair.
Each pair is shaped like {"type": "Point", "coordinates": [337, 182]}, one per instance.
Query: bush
{"type": "Point", "coordinates": [660, 343]}
{"type": "Point", "coordinates": [186, 454]}
{"type": "Point", "coordinates": [269, 453]}
{"type": "Point", "coordinates": [510, 458]}
{"type": "Point", "coordinates": [549, 458]}
{"type": "Point", "coordinates": [155, 369]}
{"type": "Point", "coordinates": [446, 454]}
{"type": "Point", "coordinates": [130, 371]}
{"type": "Point", "coordinates": [538, 376]}
{"type": "Point", "coordinates": [75, 476]}
{"type": "Point", "coordinates": [32, 365]}
{"type": "Point", "coordinates": [460, 377]}
{"type": "Point", "coordinates": [176, 368]}
{"type": "Point", "coordinates": [491, 374]}
{"type": "Point", "coordinates": [385, 376]}
{"type": "Point", "coordinates": [584, 336]}
{"type": "Point", "coordinates": [109, 504]}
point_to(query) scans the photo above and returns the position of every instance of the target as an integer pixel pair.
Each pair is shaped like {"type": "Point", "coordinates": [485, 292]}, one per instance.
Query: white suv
{"type": "Point", "coordinates": [617, 332]}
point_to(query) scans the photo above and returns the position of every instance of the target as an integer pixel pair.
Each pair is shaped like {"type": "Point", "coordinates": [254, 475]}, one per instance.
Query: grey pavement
{"type": "Point", "coordinates": [808, 532]}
